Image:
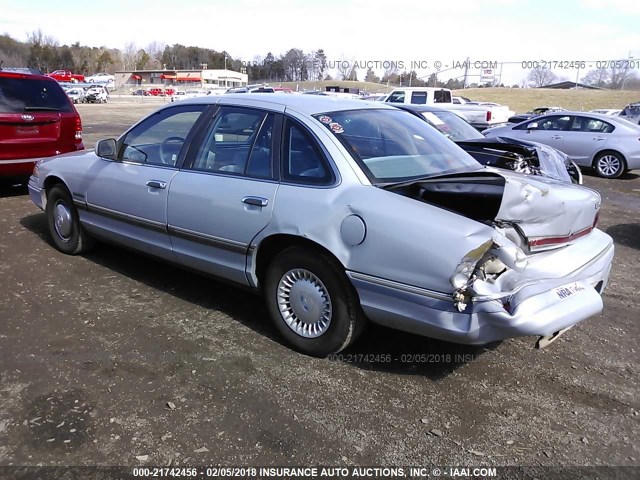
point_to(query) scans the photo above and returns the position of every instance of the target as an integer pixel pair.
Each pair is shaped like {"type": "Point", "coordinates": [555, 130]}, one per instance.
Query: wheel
{"type": "Point", "coordinates": [609, 164]}
{"type": "Point", "coordinates": [170, 149]}
{"type": "Point", "coordinates": [311, 302]}
{"type": "Point", "coordinates": [64, 224]}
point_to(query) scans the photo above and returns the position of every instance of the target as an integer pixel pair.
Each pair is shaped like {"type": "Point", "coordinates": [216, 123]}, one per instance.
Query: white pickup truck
{"type": "Point", "coordinates": [481, 115]}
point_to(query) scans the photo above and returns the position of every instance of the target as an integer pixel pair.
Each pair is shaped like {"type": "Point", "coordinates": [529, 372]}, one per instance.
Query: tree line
{"type": "Point", "coordinates": [45, 53]}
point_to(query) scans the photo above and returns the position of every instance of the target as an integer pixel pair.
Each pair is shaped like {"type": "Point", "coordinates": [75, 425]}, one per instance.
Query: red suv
{"type": "Point", "coordinates": [37, 119]}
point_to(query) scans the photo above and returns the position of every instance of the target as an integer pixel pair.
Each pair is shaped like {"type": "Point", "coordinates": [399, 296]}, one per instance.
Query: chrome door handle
{"type": "Point", "coordinates": [556, 137]}
{"type": "Point", "coordinates": [599, 139]}
{"type": "Point", "coordinates": [156, 184]}
{"type": "Point", "coordinates": [256, 201]}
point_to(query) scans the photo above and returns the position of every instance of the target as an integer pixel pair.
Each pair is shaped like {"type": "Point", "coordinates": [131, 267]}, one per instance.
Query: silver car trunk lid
{"type": "Point", "coordinates": [549, 214]}
{"type": "Point", "coordinates": [546, 213]}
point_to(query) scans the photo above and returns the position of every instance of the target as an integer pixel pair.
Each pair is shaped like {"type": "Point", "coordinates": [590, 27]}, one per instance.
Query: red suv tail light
{"type": "Point", "coordinates": [78, 128]}
{"type": "Point", "coordinates": [488, 115]}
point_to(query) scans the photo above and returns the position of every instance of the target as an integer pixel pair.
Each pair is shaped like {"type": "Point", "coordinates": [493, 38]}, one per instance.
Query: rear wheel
{"type": "Point", "coordinates": [311, 302]}
{"type": "Point", "coordinates": [64, 223]}
{"type": "Point", "coordinates": [609, 164]}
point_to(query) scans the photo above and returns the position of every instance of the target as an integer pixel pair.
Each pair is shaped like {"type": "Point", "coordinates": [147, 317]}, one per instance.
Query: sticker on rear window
{"type": "Point", "coordinates": [325, 119]}
{"type": "Point", "coordinates": [336, 127]}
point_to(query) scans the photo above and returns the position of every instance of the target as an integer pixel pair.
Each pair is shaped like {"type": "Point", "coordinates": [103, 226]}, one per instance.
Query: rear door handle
{"type": "Point", "coordinates": [599, 139]}
{"type": "Point", "coordinates": [257, 201]}
{"type": "Point", "coordinates": [156, 184]}
{"type": "Point", "coordinates": [556, 137]}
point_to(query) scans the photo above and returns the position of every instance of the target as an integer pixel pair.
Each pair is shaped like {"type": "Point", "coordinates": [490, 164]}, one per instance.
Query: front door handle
{"type": "Point", "coordinates": [256, 201]}
{"type": "Point", "coordinates": [556, 137]}
{"type": "Point", "coordinates": [156, 184]}
{"type": "Point", "coordinates": [599, 139]}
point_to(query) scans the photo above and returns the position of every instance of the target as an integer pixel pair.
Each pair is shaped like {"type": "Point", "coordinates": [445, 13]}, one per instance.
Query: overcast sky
{"type": "Point", "coordinates": [362, 30]}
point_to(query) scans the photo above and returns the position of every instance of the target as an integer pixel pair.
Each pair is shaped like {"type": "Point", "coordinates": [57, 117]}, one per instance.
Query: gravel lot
{"type": "Point", "coordinates": [111, 356]}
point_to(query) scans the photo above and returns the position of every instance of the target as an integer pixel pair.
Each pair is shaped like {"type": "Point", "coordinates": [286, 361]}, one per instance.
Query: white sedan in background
{"type": "Point", "coordinates": [610, 145]}
{"type": "Point", "coordinates": [100, 78]}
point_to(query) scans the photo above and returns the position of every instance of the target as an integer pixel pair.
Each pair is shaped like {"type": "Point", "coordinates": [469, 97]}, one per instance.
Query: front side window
{"type": "Point", "coordinates": [159, 139]}
{"type": "Point", "coordinates": [395, 146]}
{"type": "Point", "coordinates": [550, 122]}
{"type": "Point", "coordinates": [239, 141]}
{"type": "Point", "coordinates": [396, 97]}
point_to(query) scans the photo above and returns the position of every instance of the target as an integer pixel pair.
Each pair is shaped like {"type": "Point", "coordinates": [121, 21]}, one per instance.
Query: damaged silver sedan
{"type": "Point", "coordinates": [338, 212]}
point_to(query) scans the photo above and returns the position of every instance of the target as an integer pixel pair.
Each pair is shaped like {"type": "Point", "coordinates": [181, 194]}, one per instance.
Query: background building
{"type": "Point", "coordinates": [181, 79]}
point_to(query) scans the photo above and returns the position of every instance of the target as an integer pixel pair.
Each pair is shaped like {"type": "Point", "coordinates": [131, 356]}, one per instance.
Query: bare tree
{"type": "Point", "coordinates": [155, 51]}
{"type": "Point", "coordinates": [540, 77]}
{"type": "Point", "coordinates": [37, 37]}
{"type": "Point", "coordinates": [344, 68]}
{"type": "Point", "coordinates": [618, 74]}
{"type": "Point", "coordinates": [598, 77]}
{"type": "Point", "coordinates": [129, 56]}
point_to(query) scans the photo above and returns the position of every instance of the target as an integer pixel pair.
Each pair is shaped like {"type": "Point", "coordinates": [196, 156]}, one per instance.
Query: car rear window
{"type": "Point", "coordinates": [20, 94]}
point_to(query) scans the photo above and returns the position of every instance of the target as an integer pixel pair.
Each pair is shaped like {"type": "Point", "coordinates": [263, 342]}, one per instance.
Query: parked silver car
{"type": "Point", "coordinates": [338, 211]}
{"type": "Point", "coordinates": [77, 95]}
{"type": "Point", "coordinates": [608, 144]}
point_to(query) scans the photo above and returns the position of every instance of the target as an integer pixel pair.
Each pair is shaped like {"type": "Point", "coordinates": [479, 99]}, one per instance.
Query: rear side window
{"type": "Point", "coordinates": [19, 94]}
{"type": "Point", "coordinates": [419, 98]}
{"type": "Point", "coordinates": [303, 161]}
{"type": "Point", "coordinates": [442, 96]}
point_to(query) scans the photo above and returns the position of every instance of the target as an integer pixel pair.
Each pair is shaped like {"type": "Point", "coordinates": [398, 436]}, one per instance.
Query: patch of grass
{"type": "Point", "coordinates": [524, 99]}
{"type": "Point", "coordinates": [518, 99]}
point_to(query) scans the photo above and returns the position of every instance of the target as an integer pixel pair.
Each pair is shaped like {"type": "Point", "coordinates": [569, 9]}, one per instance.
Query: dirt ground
{"type": "Point", "coordinates": [112, 358]}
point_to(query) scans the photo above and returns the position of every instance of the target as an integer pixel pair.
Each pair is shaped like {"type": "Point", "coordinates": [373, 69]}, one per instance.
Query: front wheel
{"type": "Point", "coordinates": [311, 302]}
{"type": "Point", "coordinates": [609, 164]}
{"type": "Point", "coordinates": [64, 223]}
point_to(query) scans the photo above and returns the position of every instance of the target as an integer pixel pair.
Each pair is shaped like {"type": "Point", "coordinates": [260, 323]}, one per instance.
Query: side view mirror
{"type": "Point", "coordinates": [533, 126]}
{"type": "Point", "coordinates": [106, 148]}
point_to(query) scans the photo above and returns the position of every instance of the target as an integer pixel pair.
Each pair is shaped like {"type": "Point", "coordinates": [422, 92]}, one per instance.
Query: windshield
{"type": "Point", "coordinates": [393, 146]}
{"type": "Point", "coordinates": [452, 126]}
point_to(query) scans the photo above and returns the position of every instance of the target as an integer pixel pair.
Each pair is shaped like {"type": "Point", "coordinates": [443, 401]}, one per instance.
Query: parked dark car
{"type": "Point", "coordinates": [631, 113]}
{"type": "Point", "coordinates": [37, 119]}
{"type": "Point", "coordinates": [533, 113]}
{"type": "Point", "coordinates": [518, 155]}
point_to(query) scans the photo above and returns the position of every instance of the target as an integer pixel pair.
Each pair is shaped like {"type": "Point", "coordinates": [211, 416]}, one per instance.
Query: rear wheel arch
{"type": "Point", "coordinates": [273, 245]}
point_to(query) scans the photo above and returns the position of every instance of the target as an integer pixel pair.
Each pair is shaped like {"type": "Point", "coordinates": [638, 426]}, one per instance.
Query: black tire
{"type": "Point", "coordinates": [609, 164]}
{"type": "Point", "coordinates": [327, 282]}
{"type": "Point", "coordinates": [67, 234]}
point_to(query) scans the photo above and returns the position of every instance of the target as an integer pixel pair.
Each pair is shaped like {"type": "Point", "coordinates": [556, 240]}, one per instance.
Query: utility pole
{"type": "Point", "coordinates": [624, 78]}
{"type": "Point", "coordinates": [466, 71]}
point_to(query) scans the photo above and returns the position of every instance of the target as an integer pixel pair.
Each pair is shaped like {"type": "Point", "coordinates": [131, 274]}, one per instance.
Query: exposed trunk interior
{"type": "Point", "coordinates": [477, 196]}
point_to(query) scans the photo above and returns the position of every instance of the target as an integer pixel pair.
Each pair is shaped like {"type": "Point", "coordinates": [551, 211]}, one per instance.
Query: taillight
{"type": "Point", "coordinates": [488, 115]}
{"type": "Point", "coordinates": [78, 128]}
{"type": "Point", "coordinates": [595, 220]}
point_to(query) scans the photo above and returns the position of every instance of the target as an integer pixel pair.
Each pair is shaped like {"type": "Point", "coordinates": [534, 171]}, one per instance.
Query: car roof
{"type": "Point", "coordinates": [25, 75]}
{"type": "Point", "coordinates": [307, 104]}
{"type": "Point", "coordinates": [417, 108]}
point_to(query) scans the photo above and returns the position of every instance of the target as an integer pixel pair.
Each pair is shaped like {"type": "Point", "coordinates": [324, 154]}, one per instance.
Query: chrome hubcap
{"type": "Point", "coordinates": [304, 303]}
{"type": "Point", "coordinates": [62, 221]}
{"type": "Point", "coordinates": [609, 165]}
